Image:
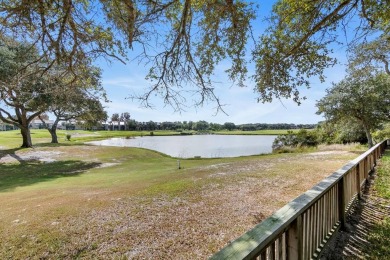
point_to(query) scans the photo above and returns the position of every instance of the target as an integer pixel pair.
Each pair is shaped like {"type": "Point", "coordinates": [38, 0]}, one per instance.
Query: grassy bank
{"type": "Point", "coordinates": [379, 237]}
{"type": "Point", "coordinates": [78, 201]}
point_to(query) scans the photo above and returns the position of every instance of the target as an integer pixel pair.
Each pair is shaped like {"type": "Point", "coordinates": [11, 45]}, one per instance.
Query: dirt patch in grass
{"type": "Point", "coordinates": [83, 134]}
{"type": "Point", "coordinates": [22, 156]}
{"type": "Point", "coordinates": [104, 165]}
{"type": "Point", "coordinates": [327, 153]}
{"type": "Point", "coordinates": [219, 202]}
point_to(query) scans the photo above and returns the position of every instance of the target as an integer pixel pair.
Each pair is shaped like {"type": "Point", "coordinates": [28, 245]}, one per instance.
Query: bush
{"type": "Point", "coordinates": [68, 136]}
{"type": "Point", "coordinates": [290, 140]}
{"type": "Point", "coordinates": [383, 134]}
{"type": "Point", "coordinates": [343, 132]}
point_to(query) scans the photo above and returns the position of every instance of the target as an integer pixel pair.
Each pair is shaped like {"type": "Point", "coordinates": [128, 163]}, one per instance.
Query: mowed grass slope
{"type": "Point", "coordinates": [78, 201]}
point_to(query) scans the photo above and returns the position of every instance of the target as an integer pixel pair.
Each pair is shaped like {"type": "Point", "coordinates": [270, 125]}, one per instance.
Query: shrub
{"type": "Point", "coordinates": [68, 136]}
{"type": "Point", "coordinates": [382, 134]}
{"type": "Point", "coordinates": [302, 138]}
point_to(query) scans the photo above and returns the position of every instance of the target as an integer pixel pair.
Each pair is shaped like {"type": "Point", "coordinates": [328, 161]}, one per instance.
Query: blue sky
{"type": "Point", "coordinates": [120, 81]}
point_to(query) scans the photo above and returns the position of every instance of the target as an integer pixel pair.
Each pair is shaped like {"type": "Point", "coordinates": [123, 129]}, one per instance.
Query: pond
{"type": "Point", "coordinates": [207, 146]}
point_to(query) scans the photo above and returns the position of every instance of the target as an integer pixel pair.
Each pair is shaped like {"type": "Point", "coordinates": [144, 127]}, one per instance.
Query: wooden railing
{"type": "Point", "coordinates": [301, 228]}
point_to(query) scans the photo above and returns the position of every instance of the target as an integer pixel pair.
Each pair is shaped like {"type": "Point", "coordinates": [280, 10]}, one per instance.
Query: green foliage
{"type": "Point", "coordinates": [383, 133]}
{"type": "Point", "coordinates": [23, 87]}
{"type": "Point", "coordinates": [20, 85]}
{"type": "Point", "coordinates": [201, 126]}
{"type": "Point", "coordinates": [379, 237]}
{"type": "Point", "coordinates": [299, 139]}
{"type": "Point", "coordinates": [363, 96]}
{"type": "Point", "coordinates": [341, 132]}
{"type": "Point", "coordinates": [193, 37]}
{"type": "Point", "coordinates": [296, 46]}
{"type": "Point", "coordinates": [79, 99]}
{"type": "Point", "coordinates": [382, 184]}
{"type": "Point", "coordinates": [13, 176]}
{"type": "Point", "coordinates": [229, 126]}
{"type": "Point", "coordinates": [28, 89]}
{"type": "Point", "coordinates": [91, 113]}
{"type": "Point", "coordinates": [374, 53]}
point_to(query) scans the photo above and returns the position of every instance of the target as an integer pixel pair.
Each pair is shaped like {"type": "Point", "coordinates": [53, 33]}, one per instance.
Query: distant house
{"type": "Point", "coordinates": [106, 125]}
{"type": "Point", "coordinates": [70, 124]}
{"type": "Point", "coordinates": [113, 125]}
{"type": "Point", "coordinates": [7, 127]}
{"type": "Point", "coordinates": [36, 123]}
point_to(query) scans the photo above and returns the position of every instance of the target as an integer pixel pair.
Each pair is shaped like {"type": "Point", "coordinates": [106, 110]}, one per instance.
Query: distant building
{"type": "Point", "coordinates": [115, 125]}
{"type": "Point", "coordinates": [36, 123]}
{"type": "Point", "coordinates": [7, 127]}
{"type": "Point", "coordinates": [74, 124]}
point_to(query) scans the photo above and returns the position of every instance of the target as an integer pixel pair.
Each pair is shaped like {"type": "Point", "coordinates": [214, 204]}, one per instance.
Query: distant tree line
{"type": "Point", "coordinates": [123, 122]}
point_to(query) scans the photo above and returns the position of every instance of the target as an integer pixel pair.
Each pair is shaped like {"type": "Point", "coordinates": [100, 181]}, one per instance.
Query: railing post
{"type": "Point", "coordinates": [294, 239]}
{"type": "Point", "coordinates": [365, 172]}
{"type": "Point", "coordinates": [358, 188]}
{"type": "Point", "coordinates": [341, 202]}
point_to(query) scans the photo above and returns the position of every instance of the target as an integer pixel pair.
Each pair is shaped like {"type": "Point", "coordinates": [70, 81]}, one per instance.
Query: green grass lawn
{"type": "Point", "coordinates": [379, 237]}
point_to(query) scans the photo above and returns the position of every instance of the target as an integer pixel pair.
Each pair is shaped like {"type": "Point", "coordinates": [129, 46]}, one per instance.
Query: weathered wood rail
{"type": "Point", "coordinates": [301, 228]}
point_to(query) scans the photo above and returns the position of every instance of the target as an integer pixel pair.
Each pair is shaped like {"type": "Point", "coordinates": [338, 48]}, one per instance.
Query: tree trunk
{"type": "Point", "coordinates": [369, 137]}
{"type": "Point", "coordinates": [54, 138]}
{"type": "Point", "coordinates": [25, 131]}
{"type": "Point", "coordinates": [53, 129]}
{"type": "Point", "coordinates": [53, 132]}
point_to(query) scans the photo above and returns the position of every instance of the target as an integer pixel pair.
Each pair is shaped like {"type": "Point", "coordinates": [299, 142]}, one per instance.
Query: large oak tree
{"type": "Point", "coordinates": [22, 90]}
{"type": "Point", "coordinates": [363, 96]}
{"type": "Point", "coordinates": [27, 89]}
{"type": "Point", "coordinates": [79, 100]}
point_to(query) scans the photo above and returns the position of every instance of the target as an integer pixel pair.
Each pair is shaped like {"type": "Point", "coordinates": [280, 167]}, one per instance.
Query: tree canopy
{"type": "Point", "coordinates": [80, 100]}
{"type": "Point", "coordinates": [363, 96]}
{"type": "Point", "coordinates": [21, 89]}
{"type": "Point", "coordinates": [26, 92]}
{"type": "Point", "coordinates": [191, 37]}
{"type": "Point", "coordinates": [297, 46]}
{"type": "Point", "coordinates": [182, 41]}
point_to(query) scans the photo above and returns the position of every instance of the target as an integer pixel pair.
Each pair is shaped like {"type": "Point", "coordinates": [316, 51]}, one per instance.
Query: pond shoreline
{"type": "Point", "coordinates": [197, 146]}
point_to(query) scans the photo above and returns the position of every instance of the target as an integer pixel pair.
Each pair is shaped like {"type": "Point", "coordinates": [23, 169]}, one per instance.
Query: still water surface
{"type": "Point", "coordinates": [198, 145]}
